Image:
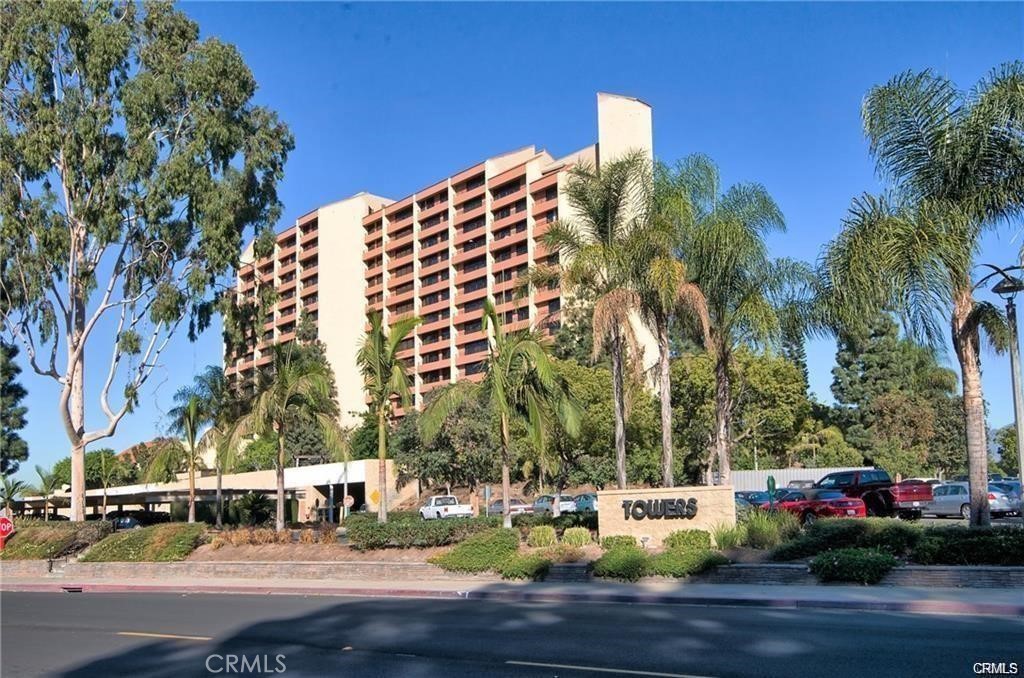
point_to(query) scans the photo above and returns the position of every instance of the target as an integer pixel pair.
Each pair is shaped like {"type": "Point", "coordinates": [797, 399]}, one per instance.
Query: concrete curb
{"type": "Point", "coordinates": [943, 607]}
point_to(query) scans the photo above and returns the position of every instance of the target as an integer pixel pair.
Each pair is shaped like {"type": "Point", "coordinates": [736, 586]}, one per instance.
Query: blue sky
{"type": "Point", "coordinates": [390, 98]}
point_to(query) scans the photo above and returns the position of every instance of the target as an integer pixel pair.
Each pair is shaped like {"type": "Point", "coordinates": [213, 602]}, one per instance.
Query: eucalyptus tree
{"type": "Point", "coordinates": [747, 293]}
{"type": "Point", "coordinates": [599, 243]}
{"type": "Point", "coordinates": [954, 162]}
{"type": "Point", "coordinates": [292, 392]}
{"type": "Point", "coordinates": [49, 483]}
{"type": "Point", "coordinates": [133, 162]}
{"type": "Point", "coordinates": [520, 384]}
{"type": "Point", "coordinates": [10, 488]}
{"type": "Point", "coordinates": [385, 380]}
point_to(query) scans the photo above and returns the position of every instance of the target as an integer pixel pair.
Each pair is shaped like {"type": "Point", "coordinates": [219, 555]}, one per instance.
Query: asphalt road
{"type": "Point", "coordinates": [137, 634]}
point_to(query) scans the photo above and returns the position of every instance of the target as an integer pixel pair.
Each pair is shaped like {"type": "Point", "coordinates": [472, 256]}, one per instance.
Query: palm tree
{"type": "Point", "coordinates": [666, 290]}
{"type": "Point", "coordinates": [520, 384]}
{"type": "Point", "coordinates": [48, 484]}
{"type": "Point", "coordinates": [111, 470]}
{"type": "Point", "coordinates": [385, 379]}
{"type": "Point", "coordinates": [599, 247]}
{"type": "Point", "coordinates": [746, 291]}
{"type": "Point", "coordinates": [10, 489]}
{"type": "Point", "coordinates": [187, 420]}
{"type": "Point", "coordinates": [294, 389]}
{"type": "Point", "coordinates": [956, 169]}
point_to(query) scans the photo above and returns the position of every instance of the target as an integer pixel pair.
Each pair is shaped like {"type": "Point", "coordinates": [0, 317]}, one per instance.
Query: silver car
{"type": "Point", "coordinates": [954, 499]}
{"type": "Point", "coordinates": [516, 506]}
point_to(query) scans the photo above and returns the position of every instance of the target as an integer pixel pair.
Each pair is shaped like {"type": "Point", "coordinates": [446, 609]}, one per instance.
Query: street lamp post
{"type": "Point", "coordinates": [1007, 288]}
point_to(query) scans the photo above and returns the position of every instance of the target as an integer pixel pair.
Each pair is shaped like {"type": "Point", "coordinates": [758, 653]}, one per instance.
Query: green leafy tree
{"type": "Point", "coordinates": [134, 161]}
{"type": "Point", "coordinates": [48, 484]}
{"type": "Point", "coordinates": [292, 390]}
{"type": "Point", "coordinates": [258, 455]}
{"type": "Point", "coordinates": [385, 380]}
{"type": "Point", "coordinates": [819, 445]}
{"type": "Point", "coordinates": [1006, 447]}
{"type": "Point", "coordinates": [520, 385]}
{"type": "Point", "coordinates": [10, 488]}
{"type": "Point", "coordinates": [94, 464]}
{"type": "Point", "coordinates": [955, 168]}
{"type": "Point", "coordinates": [13, 449]}
{"type": "Point", "coordinates": [748, 293]}
{"type": "Point", "coordinates": [598, 249]}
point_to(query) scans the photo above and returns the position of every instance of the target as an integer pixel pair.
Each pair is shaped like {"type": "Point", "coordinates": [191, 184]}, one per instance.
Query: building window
{"type": "Point", "coordinates": [435, 297]}
{"type": "Point", "coordinates": [474, 305]}
{"type": "Point", "coordinates": [474, 285]}
{"type": "Point", "coordinates": [474, 265]}
{"type": "Point", "coordinates": [478, 346]}
{"type": "Point", "coordinates": [507, 189]}
{"type": "Point", "coordinates": [475, 368]}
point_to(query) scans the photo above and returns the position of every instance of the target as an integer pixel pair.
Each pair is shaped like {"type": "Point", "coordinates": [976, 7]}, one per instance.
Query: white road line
{"type": "Point", "coordinates": [170, 636]}
{"type": "Point", "coordinates": [599, 669]}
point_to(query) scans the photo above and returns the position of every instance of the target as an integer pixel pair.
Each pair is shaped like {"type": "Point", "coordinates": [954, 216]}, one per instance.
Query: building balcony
{"type": "Point", "coordinates": [463, 277]}
{"type": "Point", "coordinates": [466, 337]}
{"type": "Point", "coordinates": [541, 251]}
{"type": "Point", "coordinates": [285, 252]}
{"type": "Point", "coordinates": [517, 325]}
{"type": "Point", "coordinates": [468, 194]}
{"type": "Point", "coordinates": [434, 287]}
{"type": "Point", "coordinates": [434, 307]}
{"type": "Point", "coordinates": [286, 306]}
{"type": "Point", "coordinates": [541, 295]}
{"type": "Point", "coordinates": [285, 269]}
{"type": "Point", "coordinates": [247, 286]}
{"type": "Point", "coordinates": [394, 208]}
{"type": "Point", "coordinates": [395, 317]}
{"type": "Point", "coordinates": [508, 238]}
{"type": "Point", "coordinates": [433, 359]}
{"type": "Point", "coordinates": [309, 288]}
{"type": "Point", "coordinates": [469, 215]}
{"type": "Point", "coordinates": [430, 269]}
{"type": "Point", "coordinates": [309, 252]}
{"type": "Point", "coordinates": [307, 239]}
{"type": "Point", "coordinates": [498, 203]}
{"type": "Point", "coordinates": [286, 286]}
{"type": "Point", "coordinates": [310, 306]}
{"type": "Point", "coordinates": [396, 299]}
{"type": "Point", "coordinates": [542, 205]}
{"type": "Point", "coordinates": [463, 235]}
{"type": "Point", "coordinates": [468, 316]}
{"type": "Point", "coordinates": [473, 295]}
{"type": "Point", "coordinates": [264, 360]}
{"type": "Point", "coordinates": [396, 244]}
{"type": "Point", "coordinates": [433, 229]}
{"type": "Point", "coordinates": [404, 260]}
{"type": "Point", "coordinates": [463, 256]}
{"type": "Point", "coordinates": [434, 210]}
{"type": "Point", "coordinates": [374, 289]}
{"type": "Point", "coordinates": [465, 359]}
{"type": "Point", "coordinates": [267, 276]}
{"type": "Point", "coordinates": [396, 225]}
{"type": "Point", "coordinates": [510, 220]}
{"type": "Point", "coordinates": [433, 249]}
{"type": "Point", "coordinates": [407, 354]}
{"type": "Point", "coordinates": [435, 346]}
{"type": "Point", "coordinates": [427, 328]}
{"type": "Point", "coordinates": [286, 336]}
{"type": "Point", "coordinates": [373, 252]}
{"type": "Point", "coordinates": [428, 386]}
{"type": "Point", "coordinates": [308, 270]}
{"type": "Point", "coordinates": [372, 271]}
{"type": "Point", "coordinates": [514, 261]}
{"type": "Point", "coordinates": [396, 281]}
{"type": "Point", "coordinates": [286, 318]}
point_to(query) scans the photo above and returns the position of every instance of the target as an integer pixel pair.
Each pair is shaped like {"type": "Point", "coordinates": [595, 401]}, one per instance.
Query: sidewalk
{"type": "Point", "coordinates": [1002, 602]}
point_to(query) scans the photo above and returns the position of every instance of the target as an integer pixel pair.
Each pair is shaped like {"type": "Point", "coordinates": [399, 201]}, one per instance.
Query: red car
{"type": "Point", "coordinates": [809, 505]}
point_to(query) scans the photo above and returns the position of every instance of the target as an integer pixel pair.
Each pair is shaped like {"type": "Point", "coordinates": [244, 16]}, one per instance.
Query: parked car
{"type": "Point", "coordinates": [930, 481]}
{"type": "Point", "coordinates": [445, 506]}
{"type": "Point", "coordinates": [1012, 489]}
{"type": "Point", "coordinates": [809, 504]}
{"type": "Point", "coordinates": [880, 495]}
{"type": "Point", "coordinates": [516, 506]}
{"type": "Point", "coordinates": [543, 504]}
{"type": "Point", "coordinates": [954, 499]}
{"type": "Point", "coordinates": [126, 523]}
{"type": "Point", "coordinates": [799, 484]}
{"type": "Point", "coordinates": [755, 498]}
{"type": "Point", "coordinates": [586, 502]}
{"type": "Point", "coordinates": [743, 507]}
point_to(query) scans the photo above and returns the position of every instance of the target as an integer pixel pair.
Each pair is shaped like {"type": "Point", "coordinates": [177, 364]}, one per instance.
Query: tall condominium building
{"type": "Point", "coordinates": [436, 254]}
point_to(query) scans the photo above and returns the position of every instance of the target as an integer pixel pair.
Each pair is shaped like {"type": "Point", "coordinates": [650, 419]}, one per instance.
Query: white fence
{"type": "Point", "coordinates": [749, 481]}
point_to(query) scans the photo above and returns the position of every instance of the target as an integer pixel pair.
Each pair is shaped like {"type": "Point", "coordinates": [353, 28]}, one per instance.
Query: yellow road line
{"type": "Point", "coordinates": [600, 669]}
{"type": "Point", "coordinates": [170, 636]}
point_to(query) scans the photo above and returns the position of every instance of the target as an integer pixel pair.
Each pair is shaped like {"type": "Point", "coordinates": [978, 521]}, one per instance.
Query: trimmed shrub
{"type": "Point", "coordinates": [576, 536]}
{"type": "Point", "coordinates": [541, 535]}
{"type": "Point", "coordinates": [327, 535]}
{"type": "Point", "coordinates": [307, 537]}
{"type": "Point", "coordinates": [283, 536]}
{"type": "Point", "coordinates": [729, 536]}
{"type": "Point", "coordinates": [682, 562]}
{"type": "Point", "coordinates": [527, 566]}
{"type": "Point", "coordinates": [622, 562]}
{"type": "Point", "coordinates": [160, 543]}
{"type": "Point", "coordinates": [862, 566]}
{"type": "Point", "coordinates": [484, 551]}
{"type": "Point", "coordinates": [688, 539]}
{"type": "Point", "coordinates": [525, 521]}
{"type": "Point", "coordinates": [970, 546]}
{"type": "Point", "coordinates": [767, 530]}
{"type": "Point", "coordinates": [240, 537]}
{"type": "Point", "coordinates": [404, 533]}
{"type": "Point", "coordinates": [563, 553]}
{"type": "Point", "coordinates": [618, 540]}
{"type": "Point", "coordinates": [264, 535]}
{"type": "Point", "coordinates": [893, 536]}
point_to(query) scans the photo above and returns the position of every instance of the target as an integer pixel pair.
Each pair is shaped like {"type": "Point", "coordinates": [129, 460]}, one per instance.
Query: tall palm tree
{"type": "Point", "coordinates": [293, 390]}
{"type": "Point", "coordinates": [599, 243]}
{"type": "Point", "coordinates": [111, 470]}
{"type": "Point", "coordinates": [520, 384]}
{"type": "Point", "coordinates": [385, 380]}
{"type": "Point", "coordinates": [48, 484]}
{"type": "Point", "coordinates": [746, 292]}
{"type": "Point", "coordinates": [10, 489]}
{"type": "Point", "coordinates": [188, 419]}
{"type": "Point", "coordinates": [667, 290]}
{"type": "Point", "coordinates": [955, 164]}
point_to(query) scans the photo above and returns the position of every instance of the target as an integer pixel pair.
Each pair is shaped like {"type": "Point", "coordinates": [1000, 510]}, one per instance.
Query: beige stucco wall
{"type": "Point", "coordinates": [342, 295]}
{"type": "Point", "coordinates": [623, 124]}
{"type": "Point", "coordinates": [715, 506]}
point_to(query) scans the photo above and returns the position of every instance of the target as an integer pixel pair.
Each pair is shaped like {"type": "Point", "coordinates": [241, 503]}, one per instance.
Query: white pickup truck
{"type": "Point", "coordinates": [445, 506]}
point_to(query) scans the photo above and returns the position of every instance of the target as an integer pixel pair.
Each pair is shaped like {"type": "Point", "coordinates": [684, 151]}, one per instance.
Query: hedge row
{"type": "Point", "coordinates": [629, 563]}
{"type": "Point", "coordinates": [954, 545]}
{"type": "Point", "coordinates": [407, 533]}
{"type": "Point", "coordinates": [857, 565]}
{"type": "Point", "coordinates": [487, 551]}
